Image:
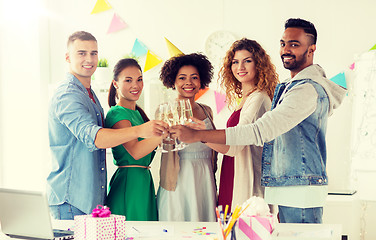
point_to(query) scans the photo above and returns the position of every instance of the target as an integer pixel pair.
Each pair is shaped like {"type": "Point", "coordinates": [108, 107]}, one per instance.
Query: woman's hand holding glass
{"type": "Point", "coordinates": [178, 112]}
{"type": "Point", "coordinates": [168, 112]}
{"type": "Point", "coordinates": [196, 124]}
{"type": "Point", "coordinates": [185, 115]}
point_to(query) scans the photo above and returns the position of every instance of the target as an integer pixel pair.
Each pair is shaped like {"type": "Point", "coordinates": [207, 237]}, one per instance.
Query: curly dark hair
{"type": "Point", "coordinates": [171, 68]}
{"type": "Point", "coordinates": [266, 76]}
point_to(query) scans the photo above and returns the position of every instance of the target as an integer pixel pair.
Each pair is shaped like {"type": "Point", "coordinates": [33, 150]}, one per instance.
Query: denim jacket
{"type": "Point", "coordinates": [78, 174]}
{"type": "Point", "coordinates": [293, 132]}
{"type": "Point", "coordinates": [298, 157]}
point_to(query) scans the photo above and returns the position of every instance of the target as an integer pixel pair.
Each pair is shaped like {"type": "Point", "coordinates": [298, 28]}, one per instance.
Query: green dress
{"type": "Point", "coordinates": [131, 189]}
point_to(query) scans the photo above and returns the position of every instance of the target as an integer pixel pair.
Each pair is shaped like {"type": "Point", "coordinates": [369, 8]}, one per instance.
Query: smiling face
{"type": "Point", "coordinates": [129, 86]}
{"type": "Point", "coordinates": [296, 50]}
{"type": "Point", "coordinates": [187, 82]}
{"type": "Point", "coordinates": [244, 67]}
{"type": "Point", "coordinates": [82, 57]}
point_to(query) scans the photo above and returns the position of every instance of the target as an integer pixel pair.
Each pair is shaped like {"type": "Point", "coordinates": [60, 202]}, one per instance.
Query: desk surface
{"type": "Point", "coordinates": [209, 230]}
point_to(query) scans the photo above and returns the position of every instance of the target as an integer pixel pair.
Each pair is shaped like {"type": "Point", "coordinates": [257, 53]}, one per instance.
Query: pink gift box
{"type": "Point", "coordinates": [254, 228]}
{"type": "Point", "coordinates": [93, 228]}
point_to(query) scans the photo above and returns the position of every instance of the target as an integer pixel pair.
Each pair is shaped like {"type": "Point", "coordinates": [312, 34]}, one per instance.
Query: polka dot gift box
{"type": "Point", "coordinates": [101, 224]}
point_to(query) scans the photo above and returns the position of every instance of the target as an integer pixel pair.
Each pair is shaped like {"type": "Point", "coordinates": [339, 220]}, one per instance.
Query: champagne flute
{"type": "Point", "coordinates": [188, 110]}
{"type": "Point", "coordinates": [185, 116]}
{"type": "Point", "coordinates": [159, 115]}
{"type": "Point", "coordinates": [172, 119]}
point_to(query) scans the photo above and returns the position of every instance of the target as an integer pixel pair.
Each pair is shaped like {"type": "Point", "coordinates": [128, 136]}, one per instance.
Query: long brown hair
{"type": "Point", "coordinates": [112, 93]}
{"type": "Point", "coordinates": [266, 76]}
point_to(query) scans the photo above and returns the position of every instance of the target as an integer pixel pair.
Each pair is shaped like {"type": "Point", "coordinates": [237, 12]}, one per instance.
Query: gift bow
{"type": "Point", "coordinates": [101, 211]}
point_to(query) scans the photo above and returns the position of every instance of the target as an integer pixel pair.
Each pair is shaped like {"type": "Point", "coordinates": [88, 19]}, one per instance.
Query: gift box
{"type": "Point", "coordinates": [89, 227]}
{"type": "Point", "coordinates": [254, 227]}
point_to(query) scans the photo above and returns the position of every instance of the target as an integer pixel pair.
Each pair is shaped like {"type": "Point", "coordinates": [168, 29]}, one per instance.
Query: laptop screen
{"type": "Point", "coordinates": [25, 213]}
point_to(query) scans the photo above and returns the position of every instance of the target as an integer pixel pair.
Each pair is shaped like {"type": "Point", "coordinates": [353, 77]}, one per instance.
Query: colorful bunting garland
{"type": "Point", "coordinates": [200, 93]}
{"type": "Point", "coordinates": [101, 6]}
{"type": "Point", "coordinates": [151, 61]}
{"type": "Point", "coordinates": [220, 101]}
{"type": "Point", "coordinates": [340, 79]}
{"type": "Point", "coordinates": [139, 49]}
{"type": "Point", "coordinates": [116, 24]}
{"type": "Point", "coordinates": [352, 66]}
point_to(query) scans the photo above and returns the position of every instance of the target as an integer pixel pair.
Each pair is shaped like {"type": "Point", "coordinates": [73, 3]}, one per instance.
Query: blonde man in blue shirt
{"type": "Point", "coordinates": [78, 179]}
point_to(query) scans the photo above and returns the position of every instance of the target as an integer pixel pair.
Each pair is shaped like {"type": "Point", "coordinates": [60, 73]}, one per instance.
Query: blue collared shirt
{"type": "Point", "coordinates": [78, 174]}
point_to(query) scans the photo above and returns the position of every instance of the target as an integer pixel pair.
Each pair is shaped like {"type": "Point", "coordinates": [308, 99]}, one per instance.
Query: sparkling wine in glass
{"type": "Point", "coordinates": [172, 119]}
{"type": "Point", "coordinates": [159, 115]}
{"type": "Point", "coordinates": [188, 110]}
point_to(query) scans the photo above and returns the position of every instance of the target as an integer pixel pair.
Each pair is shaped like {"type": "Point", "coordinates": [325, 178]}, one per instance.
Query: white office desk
{"type": "Point", "coordinates": [210, 230]}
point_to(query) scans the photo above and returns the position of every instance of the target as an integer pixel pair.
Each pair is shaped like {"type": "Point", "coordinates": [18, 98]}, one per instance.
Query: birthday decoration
{"type": "Point", "coordinates": [101, 211]}
{"type": "Point", "coordinates": [152, 60]}
{"type": "Point", "coordinates": [200, 93]}
{"type": "Point", "coordinates": [101, 224]}
{"type": "Point", "coordinates": [220, 101]}
{"type": "Point", "coordinates": [352, 66]}
{"type": "Point", "coordinates": [340, 79]}
{"type": "Point", "coordinates": [139, 49]}
{"type": "Point", "coordinates": [255, 222]}
{"type": "Point", "coordinates": [172, 49]}
{"type": "Point", "coordinates": [116, 24]}
{"type": "Point", "coordinates": [101, 6]}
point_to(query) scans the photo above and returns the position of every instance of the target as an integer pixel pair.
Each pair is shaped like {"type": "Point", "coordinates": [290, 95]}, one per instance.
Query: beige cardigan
{"type": "Point", "coordinates": [247, 162]}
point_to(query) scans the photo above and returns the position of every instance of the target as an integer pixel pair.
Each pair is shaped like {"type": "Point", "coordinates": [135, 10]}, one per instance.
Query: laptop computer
{"type": "Point", "coordinates": [25, 214]}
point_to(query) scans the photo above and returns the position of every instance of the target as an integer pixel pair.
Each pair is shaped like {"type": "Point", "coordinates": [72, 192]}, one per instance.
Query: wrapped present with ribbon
{"type": "Point", "coordinates": [254, 228]}
{"type": "Point", "coordinates": [256, 222]}
{"type": "Point", "coordinates": [100, 224]}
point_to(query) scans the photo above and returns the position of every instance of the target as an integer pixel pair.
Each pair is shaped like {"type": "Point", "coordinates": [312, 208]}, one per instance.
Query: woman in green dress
{"type": "Point", "coordinates": [131, 189]}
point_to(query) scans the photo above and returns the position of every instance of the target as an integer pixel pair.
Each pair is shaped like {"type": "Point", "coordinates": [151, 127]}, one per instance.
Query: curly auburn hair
{"type": "Point", "coordinates": [266, 76]}
{"type": "Point", "coordinates": [171, 68]}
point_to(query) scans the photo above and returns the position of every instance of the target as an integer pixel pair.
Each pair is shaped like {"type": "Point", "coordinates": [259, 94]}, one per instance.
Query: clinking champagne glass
{"type": "Point", "coordinates": [172, 119]}
{"type": "Point", "coordinates": [183, 117]}
{"type": "Point", "coordinates": [159, 115]}
{"type": "Point", "coordinates": [188, 110]}
{"type": "Point", "coordinates": [186, 113]}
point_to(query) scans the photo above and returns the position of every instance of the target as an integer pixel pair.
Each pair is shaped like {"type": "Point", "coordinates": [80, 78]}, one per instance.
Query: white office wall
{"type": "Point", "coordinates": [23, 91]}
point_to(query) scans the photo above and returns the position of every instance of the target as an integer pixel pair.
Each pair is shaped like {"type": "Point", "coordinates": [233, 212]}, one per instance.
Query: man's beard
{"type": "Point", "coordinates": [295, 64]}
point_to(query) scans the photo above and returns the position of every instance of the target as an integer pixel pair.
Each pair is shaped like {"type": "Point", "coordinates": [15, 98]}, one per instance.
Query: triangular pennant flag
{"type": "Point", "coordinates": [340, 79]}
{"type": "Point", "coordinates": [220, 101]}
{"type": "Point", "coordinates": [116, 24]}
{"type": "Point", "coordinates": [238, 100]}
{"type": "Point", "coordinates": [200, 93]}
{"type": "Point", "coordinates": [373, 48]}
{"type": "Point", "coordinates": [101, 6]}
{"type": "Point", "coordinates": [352, 66]}
{"type": "Point", "coordinates": [139, 49]}
{"type": "Point", "coordinates": [151, 61]}
{"type": "Point", "coordinates": [172, 49]}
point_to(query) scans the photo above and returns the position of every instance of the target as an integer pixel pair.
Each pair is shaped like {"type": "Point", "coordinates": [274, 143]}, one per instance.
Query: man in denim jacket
{"type": "Point", "coordinates": [78, 179]}
{"type": "Point", "coordinates": [293, 132]}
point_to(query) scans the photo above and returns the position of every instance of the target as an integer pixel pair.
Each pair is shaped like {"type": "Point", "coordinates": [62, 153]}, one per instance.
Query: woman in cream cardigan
{"type": "Point", "coordinates": [248, 77]}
